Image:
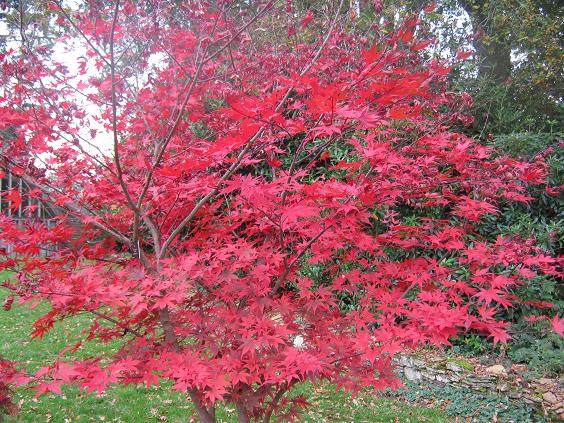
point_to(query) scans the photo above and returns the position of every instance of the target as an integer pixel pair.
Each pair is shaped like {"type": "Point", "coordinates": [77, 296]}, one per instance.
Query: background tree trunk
{"type": "Point", "coordinates": [492, 47]}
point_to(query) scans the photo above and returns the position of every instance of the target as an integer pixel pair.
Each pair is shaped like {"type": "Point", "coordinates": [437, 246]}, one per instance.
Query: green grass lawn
{"type": "Point", "coordinates": [137, 404]}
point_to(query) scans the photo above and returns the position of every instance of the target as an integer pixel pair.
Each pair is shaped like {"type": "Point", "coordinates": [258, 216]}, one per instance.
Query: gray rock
{"type": "Point", "coordinates": [412, 374]}
{"type": "Point", "coordinates": [497, 369]}
{"type": "Point", "coordinates": [503, 387]}
{"type": "Point", "coordinates": [454, 367]}
{"type": "Point", "coordinates": [427, 375]}
{"type": "Point", "coordinates": [404, 361]}
{"type": "Point", "coordinates": [418, 363]}
{"type": "Point", "coordinates": [550, 397]}
{"type": "Point", "coordinates": [443, 379]}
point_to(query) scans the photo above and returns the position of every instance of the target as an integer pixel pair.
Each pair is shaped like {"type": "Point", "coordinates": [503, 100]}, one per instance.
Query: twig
{"type": "Point", "coordinates": [83, 35]}
{"type": "Point", "coordinates": [115, 322]}
{"type": "Point", "coordinates": [249, 143]}
{"type": "Point", "coordinates": [284, 275]}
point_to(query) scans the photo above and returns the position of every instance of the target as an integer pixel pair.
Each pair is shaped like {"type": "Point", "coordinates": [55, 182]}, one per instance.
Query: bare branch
{"type": "Point", "coordinates": [249, 143]}
{"type": "Point", "coordinates": [119, 169]}
{"type": "Point", "coordinates": [116, 322]}
{"type": "Point", "coordinates": [290, 266]}
{"type": "Point", "coordinates": [76, 210]}
{"type": "Point", "coordinates": [205, 199]}
{"type": "Point", "coordinates": [125, 327]}
{"type": "Point", "coordinates": [240, 31]}
{"type": "Point", "coordinates": [82, 34]}
{"type": "Point", "coordinates": [325, 40]}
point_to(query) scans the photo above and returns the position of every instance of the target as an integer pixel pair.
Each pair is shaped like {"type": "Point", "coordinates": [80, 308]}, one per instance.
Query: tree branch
{"type": "Point", "coordinates": [119, 171]}
{"type": "Point", "coordinates": [116, 322]}
{"type": "Point", "coordinates": [76, 210]}
{"type": "Point", "coordinates": [249, 143]}
{"type": "Point", "coordinates": [289, 267]}
{"type": "Point", "coordinates": [325, 40]}
{"type": "Point", "coordinates": [82, 34]}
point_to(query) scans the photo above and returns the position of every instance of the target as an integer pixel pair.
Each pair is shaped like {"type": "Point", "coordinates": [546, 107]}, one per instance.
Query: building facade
{"type": "Point", "coordinates": [25, 209]}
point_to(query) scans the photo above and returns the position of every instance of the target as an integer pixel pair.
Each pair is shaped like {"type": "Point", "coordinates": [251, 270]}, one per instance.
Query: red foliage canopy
{"type": "Point", "coordinates": [257, 209]}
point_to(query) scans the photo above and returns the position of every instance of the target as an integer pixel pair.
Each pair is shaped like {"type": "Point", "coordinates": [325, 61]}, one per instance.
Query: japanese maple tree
{"type": "Point", "coordinates": [262, 199]}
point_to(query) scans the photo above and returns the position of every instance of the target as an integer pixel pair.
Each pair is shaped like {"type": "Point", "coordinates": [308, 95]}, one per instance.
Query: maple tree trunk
{"type": "Point", "coordinates": [164, 317]}
{"type": "Point", "coordinates": [205, 415]}
{"type": "Point", "coordinates": [242, 415]}
{"type": "Point", "coordinates": [275, 401]}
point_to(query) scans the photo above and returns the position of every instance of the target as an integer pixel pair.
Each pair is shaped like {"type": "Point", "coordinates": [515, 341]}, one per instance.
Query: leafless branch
{"type": "Point", "coordinates": [82, 34]}
{"type": "Point", "coordinates": [257, 135]}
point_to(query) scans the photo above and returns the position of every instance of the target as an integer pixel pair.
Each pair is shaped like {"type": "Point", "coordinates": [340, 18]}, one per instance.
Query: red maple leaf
{"type": "Point", "coordinates": [557, 325]}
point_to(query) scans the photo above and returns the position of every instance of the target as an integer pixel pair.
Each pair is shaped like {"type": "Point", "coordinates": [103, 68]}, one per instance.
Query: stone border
{"type": "Point", "coordinates": [544, 394]}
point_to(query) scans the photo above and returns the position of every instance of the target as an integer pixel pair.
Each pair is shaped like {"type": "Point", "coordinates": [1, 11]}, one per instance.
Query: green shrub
{"type": "Point", "coordinates": [472, 406]}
